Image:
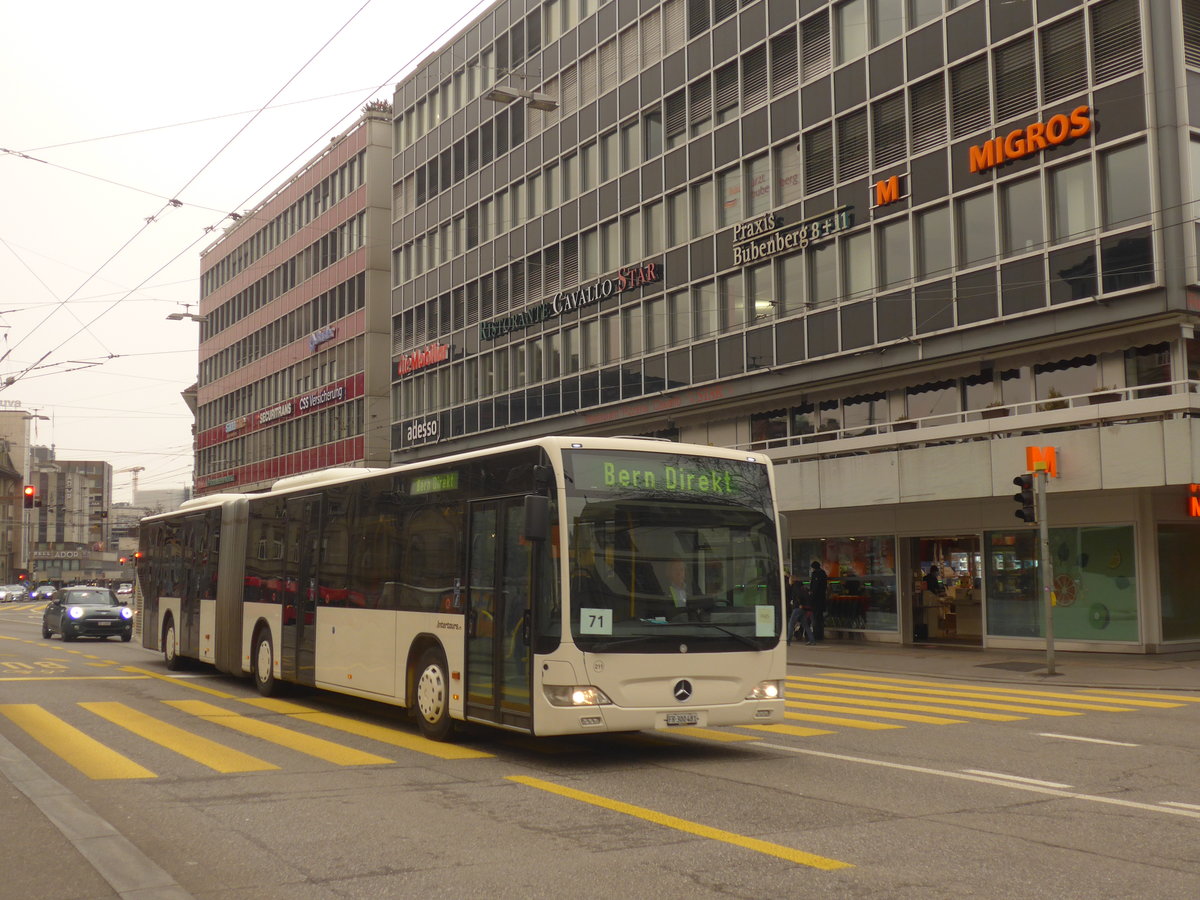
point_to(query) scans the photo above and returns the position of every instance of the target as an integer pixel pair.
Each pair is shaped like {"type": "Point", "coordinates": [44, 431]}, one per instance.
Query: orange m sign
{"type": "Point", "coordinates": [1038, 459]}
{"type": "Point", "coordinates": [1194, 502]}
{"type": "Point", "coordinates": [887, 191]}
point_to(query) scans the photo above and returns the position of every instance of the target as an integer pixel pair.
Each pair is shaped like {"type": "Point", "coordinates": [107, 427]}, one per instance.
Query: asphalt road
{"type": "Point", "coordinates": [121, 779]}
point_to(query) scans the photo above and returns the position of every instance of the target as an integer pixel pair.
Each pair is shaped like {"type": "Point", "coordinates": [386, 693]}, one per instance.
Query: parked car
{"type": "Point", "coordinates": [44, 591]}
{"type": "Point", "coordinates": [95, 611]}
{"type": "Point", "coordinates": [10, 593]}
{"type": "Point", "coordinates": [125, 590]}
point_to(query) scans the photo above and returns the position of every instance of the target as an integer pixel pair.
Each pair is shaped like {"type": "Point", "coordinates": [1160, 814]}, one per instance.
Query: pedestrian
{"type": "Point", "coordinates": [818, 590]}
{"type": "Point", "coordinates": [800, 611]}
{"type": "Point", "coordinates": [933, 581]}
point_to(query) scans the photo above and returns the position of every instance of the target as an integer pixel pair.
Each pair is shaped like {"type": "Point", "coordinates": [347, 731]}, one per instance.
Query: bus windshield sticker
{"type": "Point", "coordinates": [764, 621]}
{"type": "Point", "coordinates": [598, 621]}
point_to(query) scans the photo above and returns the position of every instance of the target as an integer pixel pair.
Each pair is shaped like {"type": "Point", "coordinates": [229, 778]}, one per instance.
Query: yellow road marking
{"type": "Point", "coordinates": [1160, 696]}
{"type": "Point", "coordinates": [716, 834]}
{"type": "Point", "coordinates": [900, 695]}
{"type": "Point", "coordinates": [842, 696]}
{"type": "Point", "coordinates": [790, 730]}
{"type": "Point", "coordinates": [182, 682]}
{"type": "Point", "coordinates": [710, 734]}
{"type": "Point", "coordinates": [338, 754]}
{"type": "Point", "coordinates": [199, 749]}
{"type": "Point", "coordinates": [86, 754]}
{"type": "Point", "coordinates": [984, 695]}
{"type": "Point", "coordinates": [1016, 693]}
{"type": "Point", "coordinates": [835, 720]}
{"type": "Point", "coordinates": [854, 711]}
{"type": "Point", "coordinates": [74, 678]}
{"type": "Point", "coordinates": [379, 733]}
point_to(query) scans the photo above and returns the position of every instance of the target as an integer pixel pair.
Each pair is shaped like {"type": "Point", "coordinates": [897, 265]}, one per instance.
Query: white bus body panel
{"type": "Point", "coordinates": [208, 627]}
{"type": "Point", "coordinates": [642, 690]}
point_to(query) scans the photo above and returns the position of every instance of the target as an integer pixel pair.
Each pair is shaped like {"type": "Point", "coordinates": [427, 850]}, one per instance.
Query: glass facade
{"type": "Point", "coordinates": [1095, 583]}
{"type": "Point", "coordinates": [862, 580]}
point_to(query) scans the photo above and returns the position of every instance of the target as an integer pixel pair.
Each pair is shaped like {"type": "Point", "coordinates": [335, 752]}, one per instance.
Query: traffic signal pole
{"type": "Point", "coordinates": [1040, 485]}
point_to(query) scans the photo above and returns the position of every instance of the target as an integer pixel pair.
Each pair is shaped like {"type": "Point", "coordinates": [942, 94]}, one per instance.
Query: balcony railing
{"type": "Point", "coordinates": [1164, 400]}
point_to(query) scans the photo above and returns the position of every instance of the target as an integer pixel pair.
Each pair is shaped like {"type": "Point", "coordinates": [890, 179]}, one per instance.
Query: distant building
{"type": "Point", "coordinates": [70, 537]}
{"type": "Point", "coordinates": [295, 345]}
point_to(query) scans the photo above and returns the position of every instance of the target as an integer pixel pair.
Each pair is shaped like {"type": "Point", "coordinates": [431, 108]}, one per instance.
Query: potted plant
{"type": "Point", "coordinates": [1104, 394]}
{"type": "Point", "coordinates": [995, 410]}
{"type": "Point", "coordinates": [1053, 400]}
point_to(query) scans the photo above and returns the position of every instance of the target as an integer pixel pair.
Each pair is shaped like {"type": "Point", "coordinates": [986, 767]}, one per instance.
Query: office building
{"type": "Point", "coordinates": [293, 352]}
{"type": "Point", "coordinates": [893, 244]}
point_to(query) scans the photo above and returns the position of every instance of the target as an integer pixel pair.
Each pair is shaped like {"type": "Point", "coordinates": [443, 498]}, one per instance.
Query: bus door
{"type": "Point", "coordinates": [297, 650]}
{"type": "Point", "coordinates": [499, 608]}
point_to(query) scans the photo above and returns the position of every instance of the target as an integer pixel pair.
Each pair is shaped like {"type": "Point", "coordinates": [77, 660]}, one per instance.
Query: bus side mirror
{"type": "Point", "coordinates": [537, 517]}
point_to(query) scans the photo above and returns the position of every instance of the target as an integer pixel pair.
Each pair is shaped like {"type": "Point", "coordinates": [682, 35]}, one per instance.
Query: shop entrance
{"type": "Point", "coordinates": [947, 597]}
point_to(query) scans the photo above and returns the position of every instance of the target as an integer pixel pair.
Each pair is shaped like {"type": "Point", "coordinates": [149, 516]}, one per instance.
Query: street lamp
{"type": "Point", "coordinates": [187, 315]}
{"type": "Point", "coordinates": [503, 93]}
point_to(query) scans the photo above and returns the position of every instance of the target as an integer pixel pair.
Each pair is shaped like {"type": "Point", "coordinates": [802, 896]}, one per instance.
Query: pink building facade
{"type": "Point", "coordinates": [295, 342]}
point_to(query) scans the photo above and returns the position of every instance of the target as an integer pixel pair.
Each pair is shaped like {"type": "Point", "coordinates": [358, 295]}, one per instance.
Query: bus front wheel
{"type": "Point", "coordinates": [433, 696]}
{"type": "Point", "coordinates": [170, 647]}
{"type": "Point", "coordinates": [264, 665]}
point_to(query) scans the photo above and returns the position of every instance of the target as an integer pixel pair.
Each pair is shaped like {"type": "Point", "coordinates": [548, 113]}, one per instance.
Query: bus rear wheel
{"type": "Point", "coordinates": [433, 696]}
{"type": "Point", "coordinates": [264, 665]}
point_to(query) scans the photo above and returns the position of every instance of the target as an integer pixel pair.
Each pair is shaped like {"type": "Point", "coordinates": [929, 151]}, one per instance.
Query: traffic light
{"type": "Point", "coordinates": [122, 560]}
{"type": "Point", "coordinates": [1024, 497]}
{"type": "Point", "coordinates": [137, 556]}
{"type": "Point", "coordinates": [30, 496]}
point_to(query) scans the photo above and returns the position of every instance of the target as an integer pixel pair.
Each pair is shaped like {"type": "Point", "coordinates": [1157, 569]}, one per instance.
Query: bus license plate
{"type": "Point", "coordinates": [673, 719]}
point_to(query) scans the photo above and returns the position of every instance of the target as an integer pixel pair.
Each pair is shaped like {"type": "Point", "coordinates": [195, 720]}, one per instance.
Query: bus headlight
{"type": "Point", "coordinates": [765, 690]}
{"type": "Point", "coordinates": [579, 695]}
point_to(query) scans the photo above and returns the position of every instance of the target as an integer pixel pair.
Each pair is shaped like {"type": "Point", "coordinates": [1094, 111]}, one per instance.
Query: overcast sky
{"type": "Point", "coordinates": [110, 110]}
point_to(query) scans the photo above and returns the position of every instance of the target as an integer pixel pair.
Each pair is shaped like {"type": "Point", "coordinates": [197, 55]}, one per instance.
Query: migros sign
{"type": "Point", "coordinates": [1022, 142]}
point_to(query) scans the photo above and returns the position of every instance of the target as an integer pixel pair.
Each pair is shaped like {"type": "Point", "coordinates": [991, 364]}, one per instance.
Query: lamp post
{"type": "Point", "coordinates": [26, 536]}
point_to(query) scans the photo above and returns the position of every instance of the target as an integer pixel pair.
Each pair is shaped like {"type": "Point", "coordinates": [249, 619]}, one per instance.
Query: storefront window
{"type": "Point", "coordinates": [1178, 549]}
{"type": "Point", "coordinates": [1094, 582]}
{"type": "Point", "coordinates": [862, 580]}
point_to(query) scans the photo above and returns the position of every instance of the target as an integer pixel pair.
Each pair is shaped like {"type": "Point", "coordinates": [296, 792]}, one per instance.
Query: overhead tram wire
{"type": "Point", "coordinates": [412, 61]}
{"type": "Point", "coordinates": [152, 219]}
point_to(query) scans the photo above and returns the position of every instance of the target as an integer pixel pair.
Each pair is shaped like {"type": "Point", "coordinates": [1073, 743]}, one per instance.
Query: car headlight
{"type": "Point", "coordinates": [579, 695]}
{"type": "Point", "coordinates": [75, 612]}
{"type": "Point", "coordinates": [765, 690]}
{"type": "Point", "coordinates": [126, 612]}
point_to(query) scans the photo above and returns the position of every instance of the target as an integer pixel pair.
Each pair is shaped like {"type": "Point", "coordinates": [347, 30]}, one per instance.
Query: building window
{"type": "Point", "coordinates": [851, 27]}
{"type": "Point", "coordinates": [1126, 174]}
{"type": "Point", "coordinates": [895, 262]}
{"type": "Point", "coordinates": [934, 254]}
{"type": "Point", "coordinates": [729, 194]}
{"type": "Point", "coordinates": [1022, 211]}
{"type": "Point", "coordinates": [862, 580]}
{"type": "Point", "coordinates": [1178, 550]}
{"type": "Point", "coordinates": [976, 228]}
{"type": "Point", "coordinates": [1073, 205]}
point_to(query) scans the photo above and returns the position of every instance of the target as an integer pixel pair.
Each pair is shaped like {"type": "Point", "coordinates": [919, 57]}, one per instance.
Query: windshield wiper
{"type": "Point", "coordinates": [749, 642]}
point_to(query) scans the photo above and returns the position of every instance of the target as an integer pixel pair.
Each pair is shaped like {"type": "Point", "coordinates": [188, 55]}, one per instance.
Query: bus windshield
{"type": "Point", "coordinates": [667, 549]}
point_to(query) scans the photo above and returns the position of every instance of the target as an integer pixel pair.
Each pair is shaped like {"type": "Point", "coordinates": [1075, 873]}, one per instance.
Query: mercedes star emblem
{"type": "Point", "coordinates": [683, 691]}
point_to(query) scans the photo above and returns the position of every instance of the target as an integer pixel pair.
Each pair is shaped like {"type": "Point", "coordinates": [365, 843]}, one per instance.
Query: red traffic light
{"type": "Point", "coordinates": [123, 560]}
{"type": "Point", "coordinates": [137, 554]}
{"type": "Point", "coordinates": [1026, 510]}
{"type": "Point", "coordinates": [30, 494]}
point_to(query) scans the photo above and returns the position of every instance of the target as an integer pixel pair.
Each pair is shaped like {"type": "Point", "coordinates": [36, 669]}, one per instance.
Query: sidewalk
{"type": "Point", "coordinates": [1169, 672]}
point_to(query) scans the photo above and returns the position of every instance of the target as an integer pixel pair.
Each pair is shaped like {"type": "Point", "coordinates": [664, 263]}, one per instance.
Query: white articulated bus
{"type": "Point", "coordinates": [555, 586]}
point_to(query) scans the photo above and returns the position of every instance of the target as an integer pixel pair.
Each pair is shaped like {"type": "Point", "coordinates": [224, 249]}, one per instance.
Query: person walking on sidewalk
{"type": "Point", "coordinates": [818, 589]}
{"type": "Point", "coordinates": [801, 612]}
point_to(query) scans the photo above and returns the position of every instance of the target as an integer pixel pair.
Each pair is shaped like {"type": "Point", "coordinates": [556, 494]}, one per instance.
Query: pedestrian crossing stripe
{"type": "Point", "coordinates": [830, 685]}
{"type": "Point", "coordinates": [199, 749]}
{"type": "Point", "coordinates": [64, 740]}
{"type": "Point", "coordinates": [721, 737]}
{"type": "Point", "coordinates": [790, 730]}
{"type": "Point", "coordinates": [1160, 701]}
{"type": "Point", "coordinates": [844, 698]}
{"type": "Point", "coordinates": [338, 754]}
{"type": "Point", "coordinates": [379, 733]}
{"type": "Point", "coordinates": [834, 720]}
{"type": "Point", "coordinates": [882, 714]}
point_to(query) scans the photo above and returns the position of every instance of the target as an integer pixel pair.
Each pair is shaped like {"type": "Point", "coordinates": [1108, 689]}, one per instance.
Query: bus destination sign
{"type": "Point", "coordinates": [660, 474]}
{"type": "Point", "coordinates": [433, 484]}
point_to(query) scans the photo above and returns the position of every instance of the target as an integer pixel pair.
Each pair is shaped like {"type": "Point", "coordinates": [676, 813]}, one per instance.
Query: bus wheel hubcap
{"type": "Point", "coordinates": [264, 661]}
{"type": "Point", "coordinates": [431, 693]}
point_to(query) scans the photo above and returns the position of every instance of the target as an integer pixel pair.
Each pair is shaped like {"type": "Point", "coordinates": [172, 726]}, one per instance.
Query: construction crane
{"type": "Point", "coordinates": [134, 470]}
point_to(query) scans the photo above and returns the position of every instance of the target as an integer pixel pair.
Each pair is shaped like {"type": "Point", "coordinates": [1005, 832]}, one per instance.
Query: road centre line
{"type": "Point", "coordinates": [980, 779]}
{"type": "Point", "coordinates": [74, 678]}
{"type": "Point", "coordinates": [984, 772]}
{"type": "Point", "coordinates": [786, 853]}
{"type": "Point", "coordinates": [1073, 737]}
